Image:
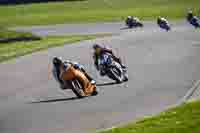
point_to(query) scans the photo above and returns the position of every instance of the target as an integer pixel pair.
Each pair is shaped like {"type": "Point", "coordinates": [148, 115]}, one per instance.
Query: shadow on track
{"type": "Point", "coordinates": [55, 100]}
{"type": "Point", "coordinates": [125, 28]}
{"type": "Point", "coordinates": [107, 84]}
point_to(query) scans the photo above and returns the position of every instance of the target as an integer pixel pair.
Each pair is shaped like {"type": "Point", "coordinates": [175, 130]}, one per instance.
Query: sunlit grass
{"type": "Point", "coordinates": [93, 11]}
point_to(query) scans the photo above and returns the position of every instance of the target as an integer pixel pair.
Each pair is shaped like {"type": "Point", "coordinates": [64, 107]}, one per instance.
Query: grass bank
{"type": "Point", "coordinates": [20, 48]}
{"type": "Point", "coordinates": [182, 119]}
{"type": "Point", "coordinates": [6, 34]}
{"type": "Point", "coordinates": [93, 11]}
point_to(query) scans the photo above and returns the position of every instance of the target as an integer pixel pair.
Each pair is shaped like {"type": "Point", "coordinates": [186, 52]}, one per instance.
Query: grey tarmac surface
{"type": "Point", "coordinates": [162, 67]}
{"type": "Point", "coordinates": [82, 29]}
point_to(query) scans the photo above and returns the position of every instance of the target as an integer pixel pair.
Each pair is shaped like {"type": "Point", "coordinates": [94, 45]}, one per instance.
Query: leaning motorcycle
{"type": "Point", "coordinates": [112, 69]}
{"type": "Point", "coordinates": [195, 22]}
{"type": "Point", "coordinates": [132, 24]}
{"type": "Point", "coordinates": [165, 26]}
{"type": "Point", "coordinates": [76, 81]}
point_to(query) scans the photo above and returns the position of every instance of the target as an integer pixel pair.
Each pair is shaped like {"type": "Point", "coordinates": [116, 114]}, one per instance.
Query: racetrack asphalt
{"type": "Point", "coordinates": [161, 65]}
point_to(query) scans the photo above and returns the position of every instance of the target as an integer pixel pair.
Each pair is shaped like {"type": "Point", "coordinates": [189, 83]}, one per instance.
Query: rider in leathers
{"type": "Point", "coordinates": [56, 71]}
{"type": "Point", "coordinates": [132, 20]}
{"type": "Point", "coordinates": [191, 18]}
{"type": "Point", "coordinates": [161, 20]}
{"type": "Point", "coordinates": [99, 50]}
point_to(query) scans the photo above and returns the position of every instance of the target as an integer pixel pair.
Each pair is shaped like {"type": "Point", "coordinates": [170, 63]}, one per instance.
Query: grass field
{"type": "Point", "coordinates": [16, 49]}
{"type": "Point", "coordinates": [6, 34]}
{"type": "Point", "coordinates": [93, 11]}
{"type": "Point", "coordinates": [183, 119]}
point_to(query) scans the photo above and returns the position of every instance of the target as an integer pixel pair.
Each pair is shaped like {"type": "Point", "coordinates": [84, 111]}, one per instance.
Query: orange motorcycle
{"type": "Point", "coordinates": [76, 80]}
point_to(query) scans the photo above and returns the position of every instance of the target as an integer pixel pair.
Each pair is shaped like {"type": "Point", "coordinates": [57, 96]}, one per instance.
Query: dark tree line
{"type": "Point", "coordinates": [10, 2]}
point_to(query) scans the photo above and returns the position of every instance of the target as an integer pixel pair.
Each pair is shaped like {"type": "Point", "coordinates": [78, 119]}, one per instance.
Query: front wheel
{"type": "Point", "coordinates": [94, 93]}
{"type": "Point", "coordinates": [125, 77]}
{"type": "Point", "coordinates": [140, 25]}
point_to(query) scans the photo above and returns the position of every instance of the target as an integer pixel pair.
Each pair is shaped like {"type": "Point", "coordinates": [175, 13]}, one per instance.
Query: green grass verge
{"type": "Point", "coordinates": [6, 34]}
{"type": "Point", "coordinates": [16, 49]}
{"type": "Point", "coordinates": [182, 119]}
{"type": "Point", "coordinates": [93, 11]}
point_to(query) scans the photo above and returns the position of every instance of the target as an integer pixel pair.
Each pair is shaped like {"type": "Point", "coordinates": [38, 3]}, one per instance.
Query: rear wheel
{"type": "Point", "coordinates": [77, 88]}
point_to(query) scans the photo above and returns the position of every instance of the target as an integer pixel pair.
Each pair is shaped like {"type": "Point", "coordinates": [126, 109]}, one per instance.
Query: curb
{"type": "Point", "coordinates": [187, 97]}
{"type": "Point", "coordinates": [190, 92]}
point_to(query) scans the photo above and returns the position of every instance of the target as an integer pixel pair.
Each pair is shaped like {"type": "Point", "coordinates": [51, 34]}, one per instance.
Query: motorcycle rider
{"type": "Point", "coordinates": [162, 20]}
{"type": "Point", "coordinates": [129, 20]}
{"type": "Point", "coordinates": [132, 20]}
{"type": "Point", "coordinates": [99, 51]}
{"type": "Point", "coordinates": [136, 20]}
{"type": "Point", "coordinates": [191, 18]}
{"type": "Point", "coordinates": [58, 61]}
{"type": "Point", "coordinates": [189, 15]}
{"type": "Point", "coordinates": [163, 23]}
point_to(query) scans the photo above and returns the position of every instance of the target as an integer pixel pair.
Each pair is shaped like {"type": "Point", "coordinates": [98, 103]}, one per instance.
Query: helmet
{"type": "Point", "coordinates": [57, 61]}
{"type": "Point", "coordinates": [159, 18]}
{"type": "Point", "coordinates": [95, 46]}
{"type": "Point", "coordinates": [189, 11]}
{"type": "Point", "coordinates": [129, 17]}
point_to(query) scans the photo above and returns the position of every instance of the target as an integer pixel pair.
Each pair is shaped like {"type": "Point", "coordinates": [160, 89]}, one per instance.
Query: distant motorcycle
{"type": "Point", "coordinates": [112, 69]}
{"type": "Point", "coordinates": [76, 81]}
{"type": "Point", "coordinates": [133, 23]}
{"type": "Point", "coordinates": [195, 22]}
{"type": "Point", "coordinates": [165, 26]}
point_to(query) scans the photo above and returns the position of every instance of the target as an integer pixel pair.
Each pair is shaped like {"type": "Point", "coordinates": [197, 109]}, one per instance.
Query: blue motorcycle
{"type": "Point", "coordinates": [132, 24]}
{"type": "Point", "coordinates": [165, 26]}
{"type": "Point", "coordinates": [112, 69]}
{"type": "Point", "coordinates": [195, 22]}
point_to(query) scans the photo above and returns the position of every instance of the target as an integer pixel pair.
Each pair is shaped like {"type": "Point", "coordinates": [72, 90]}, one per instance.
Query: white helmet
{"type": "Point", "coordinates": [190, 11]}
{"type": "Point", "coordinates": [129, 17]}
